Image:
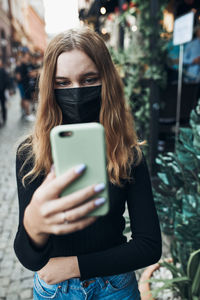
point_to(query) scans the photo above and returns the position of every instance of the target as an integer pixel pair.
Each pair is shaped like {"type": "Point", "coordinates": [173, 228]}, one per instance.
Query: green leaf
{"type": "Point", "coordinates": [196, 282]}
{"type": "Point", "coordinates": [172, 268]}
{"type": "Point", "coordinates": [163, 177]}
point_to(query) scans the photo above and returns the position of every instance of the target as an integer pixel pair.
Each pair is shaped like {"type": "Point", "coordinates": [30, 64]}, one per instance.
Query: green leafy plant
{"type": "Point", "coordinates": [177, 197]}
{"type": "Point", "coordinates": [136, 91]}
{"type": "Point", "coordinates": [187, 285]}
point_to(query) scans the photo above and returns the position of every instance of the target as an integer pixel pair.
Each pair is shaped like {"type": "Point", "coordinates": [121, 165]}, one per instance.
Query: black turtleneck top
{"type": "Point", "coordinates": [101, 248]}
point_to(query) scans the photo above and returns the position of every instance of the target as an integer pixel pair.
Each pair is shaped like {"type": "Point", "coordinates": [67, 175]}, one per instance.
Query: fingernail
{"type": "Point", "coordinates": [99, 187]}
{"type": "Point", "coordinates": [52, 168]}
{"type": "Point", "coordinates": [79, 169]}
{"type": "Point", "coordinates": [99, 201]}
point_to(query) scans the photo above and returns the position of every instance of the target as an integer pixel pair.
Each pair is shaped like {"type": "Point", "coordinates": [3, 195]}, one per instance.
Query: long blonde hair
{"type": "Point", "coordinates": [115, 114]}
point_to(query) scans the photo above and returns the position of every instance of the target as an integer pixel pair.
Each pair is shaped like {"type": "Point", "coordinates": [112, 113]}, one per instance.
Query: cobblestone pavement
{"type": "Point", "coordinates": [15, 281]}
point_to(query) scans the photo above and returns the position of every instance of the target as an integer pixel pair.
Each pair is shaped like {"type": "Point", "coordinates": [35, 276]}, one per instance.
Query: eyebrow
{"type": "Point", "coordinates": [81, 75]}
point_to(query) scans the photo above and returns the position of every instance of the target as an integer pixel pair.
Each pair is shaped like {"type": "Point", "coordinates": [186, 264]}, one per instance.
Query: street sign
{"type": "Point", "coordinates": [183, 29]}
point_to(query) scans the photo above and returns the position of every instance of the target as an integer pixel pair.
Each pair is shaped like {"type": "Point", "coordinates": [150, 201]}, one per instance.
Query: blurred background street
{"type": "Point", "coordinates": [15, 281]}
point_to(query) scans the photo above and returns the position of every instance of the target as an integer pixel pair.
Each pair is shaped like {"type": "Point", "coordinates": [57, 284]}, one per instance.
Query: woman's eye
{"type": "Point", "coordinates": [90, 80]}
{"type": "Point", "coordinates": [62, 83]}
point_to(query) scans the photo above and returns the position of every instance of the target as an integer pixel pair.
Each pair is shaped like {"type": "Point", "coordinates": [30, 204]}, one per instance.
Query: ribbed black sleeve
{"type": "Point", "coordinates": [101, 248]}
{"type": "Point", "coordinates": [31, 257]}
{"type": "Point", "coordinates": [145, 246]}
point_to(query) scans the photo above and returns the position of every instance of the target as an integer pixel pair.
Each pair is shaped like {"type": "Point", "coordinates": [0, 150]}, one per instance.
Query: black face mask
{"type": "Point", "coordinates": [79, 105]}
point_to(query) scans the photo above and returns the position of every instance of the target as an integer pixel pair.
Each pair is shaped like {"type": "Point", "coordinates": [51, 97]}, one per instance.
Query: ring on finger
{"type": "Point", "coordinates": [64, 219]}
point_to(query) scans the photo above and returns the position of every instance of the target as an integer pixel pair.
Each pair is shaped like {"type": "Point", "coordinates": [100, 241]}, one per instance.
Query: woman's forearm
{"type": "Point", "coordinates": [72, 263]}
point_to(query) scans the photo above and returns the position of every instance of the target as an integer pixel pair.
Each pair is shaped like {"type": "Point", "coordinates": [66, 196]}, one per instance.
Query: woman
{"type": "Point", "coordinates": [78, 257]}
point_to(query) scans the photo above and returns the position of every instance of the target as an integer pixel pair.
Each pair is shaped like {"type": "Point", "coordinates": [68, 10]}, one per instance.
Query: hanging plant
{"type": "Point", "coordinates": [138, 63]}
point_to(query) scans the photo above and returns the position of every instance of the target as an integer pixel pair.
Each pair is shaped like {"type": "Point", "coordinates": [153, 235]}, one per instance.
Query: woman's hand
{"type": "Point", "coordinates": [59, 269]}
{"type": "Point", "coordinates": [47, 213]}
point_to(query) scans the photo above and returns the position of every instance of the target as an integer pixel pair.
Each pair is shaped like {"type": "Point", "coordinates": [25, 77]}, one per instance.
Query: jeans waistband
{"type": "Point", "coordinates": [76, 283]}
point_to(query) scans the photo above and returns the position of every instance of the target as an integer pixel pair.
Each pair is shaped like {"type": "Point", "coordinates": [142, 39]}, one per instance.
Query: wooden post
{"type": "Point", "coordinates": [154, 95]}
{"type": "Point", "coordinates": [121, 29]}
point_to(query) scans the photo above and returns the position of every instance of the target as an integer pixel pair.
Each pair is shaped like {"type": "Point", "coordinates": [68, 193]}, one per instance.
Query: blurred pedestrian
{"type": "Point", "coordinates": [18, 80]}
{"type": "Point", "coordinates": [4, 84]}
{"type": "Point", "coordinates": [76, 256]}
{"type": "Point", "coordinates": [34, 69]}
{"type": "Point", "coordinates": [10, 69]}
{"type": "Point", "coordinates": [23, 79]}
{"type": "Point", "coordinates": [191, 59]}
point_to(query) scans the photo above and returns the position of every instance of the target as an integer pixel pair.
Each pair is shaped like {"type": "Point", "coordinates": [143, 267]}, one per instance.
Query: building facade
{"type": "Point", "coordinates": [28, 25]}
{"type": "Point", "coordinates": [35, 29]}
{"type": "Point", "coordinates": [5, 30]}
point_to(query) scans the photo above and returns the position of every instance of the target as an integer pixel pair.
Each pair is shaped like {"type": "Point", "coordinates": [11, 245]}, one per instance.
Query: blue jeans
{"type": "Point", "coordinates": [120, 287]}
